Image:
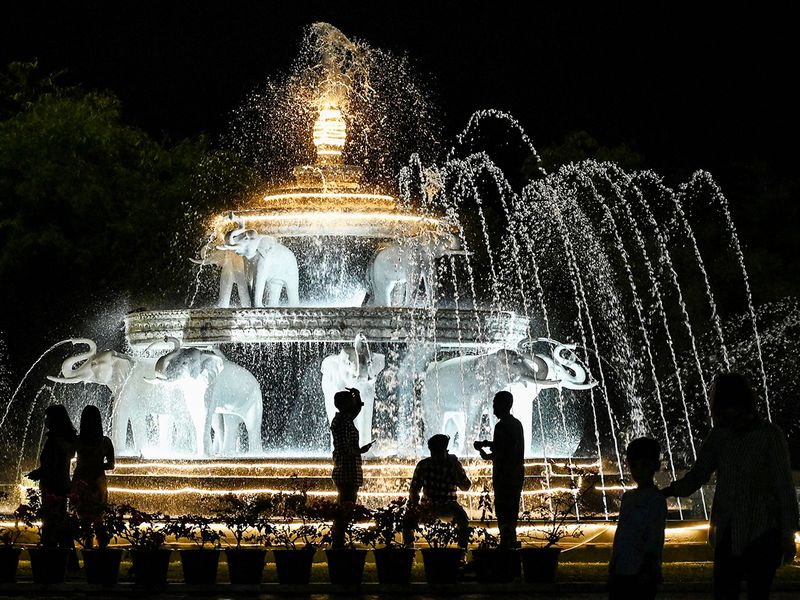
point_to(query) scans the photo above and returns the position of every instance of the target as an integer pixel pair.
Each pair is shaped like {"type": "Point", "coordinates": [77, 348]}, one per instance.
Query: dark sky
{"type": "Point", "coordinates": [691, 88]}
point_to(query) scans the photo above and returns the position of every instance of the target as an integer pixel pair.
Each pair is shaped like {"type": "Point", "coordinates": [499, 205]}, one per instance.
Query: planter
{"type": "Point", "coordinates": [346, 565]}
{"type": "Point", "coordinates": [245, 566]}
{"type": "Point", "coordinates": [102, 565]}
{"type": "Point", "coordinates": [294, 566]}
{"type": "Point", "coordinates": [9, 560]}
{"type": "Point", "coordinates": [49, 565]}
{"type": "Point", "coordinates": [539, 565]}
{"type": "Point", "coordinates": [150, 567]}
{"type": "Point", "coordinates": [394, 565]}
{"type": "Point", "coordinates": [199, 566]}
{"type": "Point", "coordinates": [496, 565]}
{"type": "Point", "coordinates": [442, 565]}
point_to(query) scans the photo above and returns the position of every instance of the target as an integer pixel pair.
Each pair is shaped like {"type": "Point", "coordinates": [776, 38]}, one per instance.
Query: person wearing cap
{"type": "Point", "coordinates": [347, 453]}
{"type": "Point", "coordinates": [508, 468]}
{"type": "Point", "coordinates": [438, 477]}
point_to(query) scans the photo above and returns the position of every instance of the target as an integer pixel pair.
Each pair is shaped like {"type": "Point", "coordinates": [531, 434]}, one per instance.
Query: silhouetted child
{"type": "Point", "coordinates": [635, 569]}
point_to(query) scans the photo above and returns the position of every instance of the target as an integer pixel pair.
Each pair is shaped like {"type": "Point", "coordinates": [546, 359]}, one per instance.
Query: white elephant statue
{"type": "Point", "coordinates": [405, 263]}
{"type": "Point", "coordinates": [353, 367]}
{"type": "Point", "coordinates": [560, 369]}
{"type": "Point", "coordinates": [459, 391]}
{"type": "Point", "coordinates": [233, 271]}
{"type": "Point", "coordinates": [186, 383]}
{"type": "Point", "coordinates": [271, 263]}
{"type": "Point", "coordinates": [237, 399]}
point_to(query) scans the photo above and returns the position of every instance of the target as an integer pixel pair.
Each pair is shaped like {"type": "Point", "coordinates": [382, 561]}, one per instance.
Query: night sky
{"type": "Point", "coordinates": [687, 88]}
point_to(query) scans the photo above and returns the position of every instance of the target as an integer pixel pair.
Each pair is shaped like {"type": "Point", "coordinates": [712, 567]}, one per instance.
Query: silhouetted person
{"type": "Point", "coordinates": [754, 515]}
{"type": "Point", "coordinates": [437, 477]}
{"type": "Point", "coordinates": [508, 468]}
{"type": "Point", "coordinates": [347, 453]}
{"type": "Point", "coordinates": [95, 456]}
{"type": "Point", "coordinates": [635, 568]}
{"type": "Point", "coordinates": [53, 476]}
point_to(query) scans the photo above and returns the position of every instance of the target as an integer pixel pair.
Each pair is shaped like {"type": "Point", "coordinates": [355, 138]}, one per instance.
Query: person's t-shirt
{"type": "Point", "coordinates": [639, 540]}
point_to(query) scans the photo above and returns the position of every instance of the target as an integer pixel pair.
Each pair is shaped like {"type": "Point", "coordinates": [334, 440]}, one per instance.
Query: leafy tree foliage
{"type": "Point", "coordinates": [90, 207]}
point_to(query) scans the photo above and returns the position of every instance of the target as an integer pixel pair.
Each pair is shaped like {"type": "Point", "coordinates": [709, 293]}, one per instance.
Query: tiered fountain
{"type": "Point", "coordinates": [428, 303]}
{"type": "Point", "coordinates": [334, 284]}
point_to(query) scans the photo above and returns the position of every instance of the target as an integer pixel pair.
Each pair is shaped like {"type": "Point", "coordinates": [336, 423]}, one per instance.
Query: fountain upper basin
{"type": "Point", "coordinates": [450, 328]}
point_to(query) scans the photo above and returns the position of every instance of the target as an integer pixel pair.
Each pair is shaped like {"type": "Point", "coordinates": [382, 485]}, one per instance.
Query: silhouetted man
{"type": "Point", "coordinates": [347, 473]}
{"type": "Point", "coordinates": [508, 468]}
{"type": "Point", "coordinates": [437, 477]}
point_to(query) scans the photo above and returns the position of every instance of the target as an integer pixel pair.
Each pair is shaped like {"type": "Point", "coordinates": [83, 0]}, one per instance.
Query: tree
{"type": "Point", "coordinates": [92, 208]}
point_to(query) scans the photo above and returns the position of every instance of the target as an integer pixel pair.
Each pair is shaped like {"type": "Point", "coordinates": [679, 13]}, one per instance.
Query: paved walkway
{"type": "Point", "coordinates": [177, 591]}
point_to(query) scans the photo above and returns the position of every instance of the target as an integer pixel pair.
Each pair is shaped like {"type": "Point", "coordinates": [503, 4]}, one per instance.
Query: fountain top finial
{"type": "Point", "coordinates": [330, 134]}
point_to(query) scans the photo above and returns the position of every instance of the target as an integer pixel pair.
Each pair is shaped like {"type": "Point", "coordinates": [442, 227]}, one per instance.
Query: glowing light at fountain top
{"type": "Point", "coordinates": [330, 134]}
{"type": "Point", "coordinates": [330, 197]}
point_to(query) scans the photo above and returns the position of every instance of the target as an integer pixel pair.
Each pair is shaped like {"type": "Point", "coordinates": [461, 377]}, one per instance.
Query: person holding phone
{"type": "Point", "coordinates": [347, 474]}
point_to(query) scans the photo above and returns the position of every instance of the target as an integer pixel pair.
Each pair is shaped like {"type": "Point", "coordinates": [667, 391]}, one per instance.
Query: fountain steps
{"type": "Point", "coordinates": [195, 485]}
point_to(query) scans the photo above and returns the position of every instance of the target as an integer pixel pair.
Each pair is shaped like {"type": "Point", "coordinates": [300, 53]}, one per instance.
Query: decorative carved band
{"type": "Point", "coordinates": [443, 327]}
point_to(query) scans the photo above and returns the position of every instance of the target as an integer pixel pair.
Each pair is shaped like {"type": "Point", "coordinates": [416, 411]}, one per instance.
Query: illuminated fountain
{"type": "Point", "coordinates": [428, 304]}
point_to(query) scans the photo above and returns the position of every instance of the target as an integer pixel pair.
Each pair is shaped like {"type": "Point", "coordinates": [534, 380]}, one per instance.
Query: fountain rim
{"type": "Point", "coordinates": [444, 327]}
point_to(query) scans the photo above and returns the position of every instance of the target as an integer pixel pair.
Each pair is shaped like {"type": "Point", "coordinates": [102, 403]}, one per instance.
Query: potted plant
{"type": "Point", "coordinates": [346, 564]}
{"type": "Point", "coordinates": [9, 551]}
{"type": "Point", "coordinates": [293, 543]}
{"type": "Point", "coordinates": [146, 534]}
{"type": "Point", "coordinates": [199, 562]}
{"type": "Point", "coordinates": [492, 563]}
{"type": "Point", "coordinates": [244, 516]}
{"type": "Point", "coordinates": [549, 523]}
{"type": "Point", "coordinates": [48, 563]}
{"type": "Point", "coordinates": [101, 562]}
{"type": "Point", "coordinates": [393, 561]}
{"type": "Point", "coordinates": [442, 562]}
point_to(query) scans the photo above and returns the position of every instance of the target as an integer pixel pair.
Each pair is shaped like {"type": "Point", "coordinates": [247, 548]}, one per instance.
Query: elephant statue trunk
{"type": "Point", "coordinates": [70, 374]}
{"type": "Point", "coordinates": [363, 356]}
{"type": "Point", "coordinates": [163, 362]}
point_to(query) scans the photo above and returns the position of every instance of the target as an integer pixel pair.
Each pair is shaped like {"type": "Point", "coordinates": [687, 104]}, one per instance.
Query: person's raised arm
{"type": "Point", "coordinates": [701, 470]}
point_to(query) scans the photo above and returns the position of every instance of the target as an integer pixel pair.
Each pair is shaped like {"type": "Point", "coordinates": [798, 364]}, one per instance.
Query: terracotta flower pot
{"type": "Point", "coordinates": [9, 561]}
{"type": "Point", "coordinates": [199, 566]}
{"type": "Point", "coordinates": [294, 566]}
{"type": "Point", "coordinates": [394, 565]}
{"type": "Point", "coordinates": [49, 565]}
{"type": "Point", "coordinates": [442, 565]}
{"type": "Point", "coordinates": [539, 565]}
{"type": "Point", "coordinates": [345, 565]}
{"type": "Point", "coordinates": [102, 565]}
{"type": "Point", "coordinates": [150, 567]}
{"type": "Point", "coordinates": [245, 565]}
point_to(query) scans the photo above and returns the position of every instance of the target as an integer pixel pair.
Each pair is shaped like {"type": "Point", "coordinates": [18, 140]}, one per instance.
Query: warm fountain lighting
{"type": "Point", "coordinates": [330, 132]}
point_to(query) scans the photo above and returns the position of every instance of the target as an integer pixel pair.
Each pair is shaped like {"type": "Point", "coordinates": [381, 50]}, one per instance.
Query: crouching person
{"type": "Point", "coordinates": [437, 477]}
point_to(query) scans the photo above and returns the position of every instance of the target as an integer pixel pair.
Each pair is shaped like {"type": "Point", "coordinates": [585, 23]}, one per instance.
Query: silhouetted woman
{"type": "Point", "coordinates": [754, 515]}
{"type": "Point", "coordinates": [95, 457]}
{"type": "Point", "coordinates": [53, 476]}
